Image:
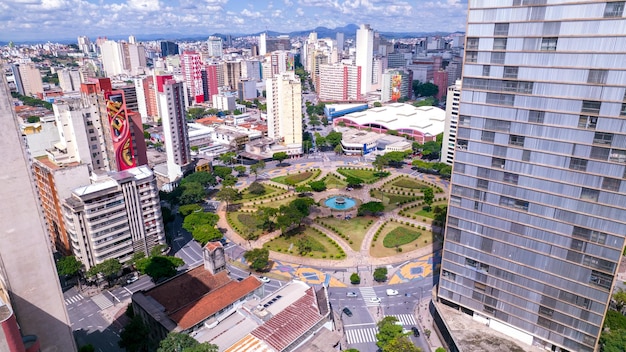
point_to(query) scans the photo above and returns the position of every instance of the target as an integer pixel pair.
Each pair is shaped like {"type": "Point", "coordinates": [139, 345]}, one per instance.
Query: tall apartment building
{"type": "Point", "coordinates": [84, 44]}
{"type": "Point", "coordinates": [339, 38]}
{"type": "Point", "coordinates": [210, 81]}
{"type": "Point", "coordinates": [119, 58]}
{"type": "Point", "coordinates": [115, 217]}
{"type": "Point", "coordinates": [27, 79]}
{"type": "Point", "coordinates": [448, 145]}
{"type": "Point", "coordinates": [232, 74]}
{"type": "Point", "coordinates": [191, 66]}
{"type": "Point", "coordinates": [251, 69]}
{"type": "Point", "coordinates": [339, 82]}
{"type": "Point", "coordinates": [215, 47]}
{"type": "Point", "coordinates": [440, 79]}
{"type": "Point", "coordinates": [28, 275]}
{"type": "Point", "coordinates": [536, 218]}
{"type": "Point", "coordinates": [284, 109]}
{"type": "Point", "coordinates": [171, 100]}
{"type": "Point", "coordinates": [365, 55]}
{"type": "Point", "coordinates": [396, 84]}
{"type": "Point", "coordinates": [69, 79]}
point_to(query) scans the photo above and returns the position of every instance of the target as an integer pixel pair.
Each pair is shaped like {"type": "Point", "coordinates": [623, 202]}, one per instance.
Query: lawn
{"type": "Point", "coordinates": [321, 245]}
{"type": "Point", "coordinates": [296, 178]}
{"type": "Point", "coordinates": [390, 201]}
{"type": "Point", "coordinates": [394, 232]}
{"type": "Point", "coordinates": [272, 204]}
{"type": "Point", "coordinates": [420, 213]}
{"type": "Point", "coordinates": [366, 175]}
{"type": "Point", "coordinates": [333, 181]}
{"type": "Point", "coordinates": [354, 229]}
{"type": "Point", "coordinates": [244, 223]}
{"type": "Point", "coordinates": [405, 182]}
{"type": "Point", "coordinates": [270, 191]}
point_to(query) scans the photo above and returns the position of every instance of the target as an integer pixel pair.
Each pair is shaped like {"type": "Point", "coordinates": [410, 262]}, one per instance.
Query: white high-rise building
{"type": "Point", "coordinates": [215, 47]}
{"type": "Point", "coordinates": [251, 69]}
{"type": "Point", "coordinates": [115, 217]}
{"type": "Point", "coordinates": [84, 44]}
{"type": "Point", "coordinates": [69, 79]}
{"type": "Point", "coordinates": [262, 44]}
{"type": "Point", "coordinates": [340, 41]}
{"type": "Point", "coordinates": [448, 145]}
{"type": "Point", "coordinates": [284, 109]}
{"type": "Point", "coordinates": [112, 58]}
{"type": "Point", "coordinates": [172, 107]}
{"type": "Point", "coordinates": [536, 218]}
{"type": "Point", "coordinates": [365, 55]}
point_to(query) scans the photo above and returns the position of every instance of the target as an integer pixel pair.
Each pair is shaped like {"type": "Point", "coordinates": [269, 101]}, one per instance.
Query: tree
{"type": "Point", "coordinates": [237, 112]}
{"type": "Point", "coordinates": [370, 208]}
{"type": "Point", "coordinates": [395, 158]}
{"type": "Point", "coordinates": [197, 219]}
{"type": "Point", "coordinates": [228, 157]}
{"type": "Point", "coordinates": [334, 138]}
{"type": "Point", "coordinates": [338, 149]}
{"type": "Point", "coordinates": [302, 205]}
{"type": "Point", "coordinates": [318, 186]}
{"type": "Point", "coordinates": [355, 279]}
{"type": "Point", "coordinates": [229, 181]}
{"type": "Point", "coordinates": [32, 119]}
{"type": "Point", "coordinates": [307, 145]}
{"type": "Point", "coordinates": [354, 181]}
{"type": "Point", "coordinates": [266, 217]}
{"type": "Point", "coordinates": [440, 349]}
{"type": "Point", "coordinates": [620, 300]}
{"type": "Point", "coordinates": [157, 250]}
{"type": "Point", "coordinates": [241, 170]}
{"type": "Point", "coordinates": [425, 89]}
{"type": "Point", "coordinates": [256, 188]}
{"type": "Point", "coordinates": [380, 274]}
{"type": "Point", "coordinates": [193, 192]}
{"type": "Point", "coordinates": [352, 350]}
{"type": "Point", "coordinates": [195, 113]}
{"type": "Point", "coordinates": [387, 331]}
{"type": "Point", "coordinates": [68, 266]}
{"type": "Point", "coordinates": [107, 268]}
{"type": "Point", "coordinates": [222, 171]}
{"type": "Point", "coordinates": [258, 258]}
{"type": "Point", "coordinates": [228, 195]}
{"type": "Point", "coordinates": [87, 348]}
{"type": "Point", "coordinates": [431, 149]}
{"type": "Point", "coordinates": [202, 177]}
{"type": "Point", "coordinates": [206, 233]}
{"type": "Point", "coordinates": [280, 156]}
{"type": "Point", "coordinates": [429, 196]}
{"type": "Point", "coordinates": [180, 342]}
{"type": "Point", "coordinates": [187, 209]}
{"type": "Point", "coordinates": [377, 104]}
{"type": "Point", "coordinates": [401, 344]}
{"type": "Point", "coordinates": [159, 266]}
{"type": "Point", "coordinates": [324, 120]}
{"type": "Point", "coordinates": [134, 337]}
{"type": "Point", "coordinates": [255, 168]}
{"type": "Point", "coordinates": [136, 257]}
{"type": "Point", "coordinates": [380, 162]}
{"type": "Point", "coordinates": [304, 245]}
{"type": "Point", "coordinates": [303, 189]}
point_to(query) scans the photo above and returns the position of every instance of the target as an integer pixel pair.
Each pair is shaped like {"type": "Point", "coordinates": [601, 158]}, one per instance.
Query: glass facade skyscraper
{"type": "Point", "coordinates": [537, 217]}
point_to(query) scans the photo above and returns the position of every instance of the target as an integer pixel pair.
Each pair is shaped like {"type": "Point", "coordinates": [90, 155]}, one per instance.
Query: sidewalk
{"type": "Point", "coordinates": [425, 321]}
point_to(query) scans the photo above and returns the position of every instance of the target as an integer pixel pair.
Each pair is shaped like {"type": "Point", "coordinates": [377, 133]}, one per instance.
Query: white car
{"type": "Point", "coordinates": [375, 300]}
{"type": "Point", "coordinates": [132, 279]}
{"type": "Point", "coordinates": [264, 279]}
{"type": "Point", "coordinates": [391, 292]}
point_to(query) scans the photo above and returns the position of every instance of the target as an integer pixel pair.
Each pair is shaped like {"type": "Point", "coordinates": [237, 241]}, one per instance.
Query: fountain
{"type": "Point", "coordinates": [340, 202]}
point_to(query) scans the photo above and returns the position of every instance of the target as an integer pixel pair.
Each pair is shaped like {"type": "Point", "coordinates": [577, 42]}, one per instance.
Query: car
{"type": "Point", "coordinates": [416, 332]}
{"type": "Point", "coordinates": [352, 294]}
{"type": "Point", "coordinates": [391, 292]}
{"type": "Point", "coordinates": [375, 299]}
{"type": "Point", "coordinates": [240, 279]}
{"type": "Point", "coordinates": [264, 279]}
{"type": "Point", "coordinates": [132, 279]}
{"type": "Point", "coordinates": [347, 311]}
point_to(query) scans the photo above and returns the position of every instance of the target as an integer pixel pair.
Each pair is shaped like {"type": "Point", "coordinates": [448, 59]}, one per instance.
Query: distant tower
{"type": "Point", "coordinates": [453, 99]}
{"type": "Point", "coordinates": [284, 105]}
{"type": "Point", "coordinates": [262, 44]}
{"type": "Point", "coordinates": [340, 40]}
{"type": "Point", "coordinates": [214, 258]}
{"type": "Point", "coordinates": [132, 39]}
{"type": "Point", "coordinates": [215, 47]}
{"type": "Point", "coordinates": [191, 65]}
{"type": "Point", "coordinates": [84, 44]}
{"type": "Point", "coordinates": [365, 55]}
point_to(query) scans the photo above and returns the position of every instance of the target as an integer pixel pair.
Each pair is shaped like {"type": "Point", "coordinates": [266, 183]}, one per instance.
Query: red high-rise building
{"type": "Point", "coordinates": [191, 65]}
{"type": "Point", "coordinates": [210, 81]}
{"type": "Point", "coordinates": [440, 79]}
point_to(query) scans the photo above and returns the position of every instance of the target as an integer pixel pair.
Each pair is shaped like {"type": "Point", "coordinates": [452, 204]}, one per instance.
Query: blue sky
{"type": "Point", "coordinates": [41, 20]}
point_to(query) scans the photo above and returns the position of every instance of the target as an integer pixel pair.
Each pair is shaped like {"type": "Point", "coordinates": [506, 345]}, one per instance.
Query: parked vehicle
{"type": "Point", "coordinates": [347, 311]}
{"type": "Point", "coordinates": [416, 332]}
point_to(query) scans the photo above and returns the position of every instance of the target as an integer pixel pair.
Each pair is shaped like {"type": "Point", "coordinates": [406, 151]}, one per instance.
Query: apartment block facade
{"type": "Point", "coordinates": [536, 218]}
{"type": "Point", "coordinates": [284, 109]}
{"type": "Point", "coordinates": [339, 82]}
{"type": "Point", "coordinates": [448, 145]}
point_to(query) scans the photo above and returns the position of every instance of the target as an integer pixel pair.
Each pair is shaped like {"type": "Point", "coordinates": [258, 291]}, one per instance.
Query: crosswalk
{"type": "Point", "coordinates": [361, 335]}
{"type": "Point", "coordinates": [368, 293]}
{"type": "Point", "coordinates": [73, 299]}
{"type": "Point", "coordinates": [102, 301]}
{"type": "Point", "coordinates": [406, 319]}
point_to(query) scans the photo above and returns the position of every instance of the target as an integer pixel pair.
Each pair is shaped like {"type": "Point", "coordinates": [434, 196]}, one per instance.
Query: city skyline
{"type": "Point", "coordinates": [43, 20]}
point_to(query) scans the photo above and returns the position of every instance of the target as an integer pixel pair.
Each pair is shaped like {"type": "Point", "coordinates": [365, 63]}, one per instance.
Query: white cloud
{"type": "Point", "coordinates": [300, 11]}
{"type": "Point", "coordinates": [251, 14]}
{"type": "Point", "coordinates": [144, 5]}
{"type": "Point", "coordinates": [288, 3]}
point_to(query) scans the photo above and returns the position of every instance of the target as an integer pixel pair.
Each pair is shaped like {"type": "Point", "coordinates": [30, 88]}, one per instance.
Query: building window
{"type": "Point", "coordinates": [589, 194]}
{"type": "Point", "coordinates": [578, 164]}
{"type": "Point", "coordinates": [486, 70]}
{"type": "Point", "coordinates": [549, 44]}
{"type": "Point", "coordinates": [484, 184]}
{"type": "Point", "coordinates": [498, 162]}
{"type": "Point", "coordinates": [500, 99]}
{"type": "Point", "coordinates": [591, 107]}
{"type": "Point", "coordinates": [597, 76]}
{"type": "Point", "coordinates": [622, 112]}
{"type": "Point", "coordinates": [526, 155]}
{"type": "Point", "coordinates": [497, 125]}
{"type": "Point", "coordinates": [471, 56]}
{"type": "Point", "coordinates": [611, 184]}
{"type": "Point", "coordinates": [498, 58]}
{"type": "Point", "coordinates": [501, 29]}
{"type": "Point", "coordinates": [510, 178]}
{"type": "Point", "coordinates": [514, 203]}
{"type": "Point", "coordinates": [601, 279]}
{"type": "Point", "coordinates": [599, 153]}
{"type": "Point", "coordinates": [588, 122]}
{"type": "Point", "coordinates": [617, 155]}
{"type": "Point", "coordinates": [472, 44]}
{"type": "Point", "coordinates": [602, 138]}
{"type": "Point", "coordinates": [516, 140]}
{"type": "Point", "coordinates": [614, 9]}
{"type": "Point", "coordinates": [499, 44]}
{"type": "Point", "coordinates": [487, 136]}
{"type": "Point", "coordinates": [510, 71]}
{"type": "Point", "coordinates": [464, 120]}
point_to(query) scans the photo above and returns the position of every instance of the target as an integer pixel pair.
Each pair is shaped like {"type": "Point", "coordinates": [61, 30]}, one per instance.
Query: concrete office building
{"type": "Point", "coordinates": [215, 47]}
{"type": "Point", "coordinates": [365, 55]}
{"type": "Point", "coordinates": [396, 84]}
{"type": "Point", "coordinates": [232, 74]}
{"type": "Point", "coordinates": [448, 145]}
{"type": "Point", "coordinates": [339, 37]}
{"type": "Point", "coordinates": [69, 80]}
{"type": "Point", "coordinates": [536, 217]}
{"type": "Point", "coordinates": [168, 48]}
{"type": "Point", "coordinates": [84, 44]}
{"type": "Point", "coordinates": [28, 275]}
{"type": "Point", "coordinates": [284, 109]}
{"type": "Point", "coordinates": [339, 82]}
{"type": "Point", "coordinates": [115, 217]}
{"type": "Point", "coordinates": [27, 79]}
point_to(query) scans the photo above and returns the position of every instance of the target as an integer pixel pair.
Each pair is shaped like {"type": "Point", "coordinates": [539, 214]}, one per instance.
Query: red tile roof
{"type": "Point", "coordinates": [210, 120]}
{"type": "Point", "coordinates": [291, 323]}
